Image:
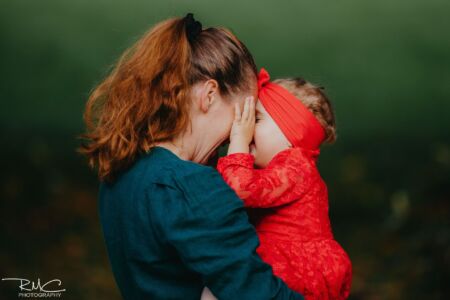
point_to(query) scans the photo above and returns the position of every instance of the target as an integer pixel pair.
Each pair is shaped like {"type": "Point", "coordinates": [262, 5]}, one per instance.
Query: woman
{"type": "Point", "coordinates": [171, 225]}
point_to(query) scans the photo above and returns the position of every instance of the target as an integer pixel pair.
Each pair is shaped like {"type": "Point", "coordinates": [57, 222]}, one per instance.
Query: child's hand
{"type": "Point", "coordinates": [243, 127]}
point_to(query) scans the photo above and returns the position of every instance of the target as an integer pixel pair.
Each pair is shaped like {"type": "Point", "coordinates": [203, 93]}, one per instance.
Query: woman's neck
{"type": "Point", "coordinates": [190, 147]}
{"type": "Point", "coordinates": [177, 147]}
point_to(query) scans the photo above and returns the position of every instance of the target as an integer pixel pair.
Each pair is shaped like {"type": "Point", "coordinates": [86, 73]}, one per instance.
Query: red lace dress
{"type": "Point", "coordinates": [288, 204]}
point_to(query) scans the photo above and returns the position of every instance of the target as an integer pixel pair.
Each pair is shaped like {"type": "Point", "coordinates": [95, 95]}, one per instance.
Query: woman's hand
{"type": "Point", "coordinates": [243, 127]}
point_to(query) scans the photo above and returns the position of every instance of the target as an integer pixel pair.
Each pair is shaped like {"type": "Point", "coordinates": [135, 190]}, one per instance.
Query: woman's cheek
{"type": "Point", "coordinates": [225, 121]}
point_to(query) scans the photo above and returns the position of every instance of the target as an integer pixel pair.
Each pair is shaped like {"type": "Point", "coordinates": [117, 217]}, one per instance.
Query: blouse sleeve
{"type": "Point", "coordinates": [278, 184]}
{"type": "Point", "coordinates": [206, 223]}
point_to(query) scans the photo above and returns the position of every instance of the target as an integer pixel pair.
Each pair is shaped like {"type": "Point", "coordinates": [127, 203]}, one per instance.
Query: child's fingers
{"type": "Point", "coordinates": [245, 113]}
{"type": "Point", "coordinates": [237, 112]}
{"type": "Point", "coordinates": [252, 109]}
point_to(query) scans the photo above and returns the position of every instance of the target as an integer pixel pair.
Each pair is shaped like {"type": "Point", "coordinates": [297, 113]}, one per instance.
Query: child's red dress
{"type": "Point", "coordinates": [292, 223]}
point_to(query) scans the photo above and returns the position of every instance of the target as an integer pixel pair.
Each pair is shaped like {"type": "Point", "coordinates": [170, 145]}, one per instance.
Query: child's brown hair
{"type": "Point", "coordinates": [314, 98]}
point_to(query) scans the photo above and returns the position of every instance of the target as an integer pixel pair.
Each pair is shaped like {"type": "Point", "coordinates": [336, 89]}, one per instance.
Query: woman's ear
{"type": "Point", "coordinates": [208, 94]}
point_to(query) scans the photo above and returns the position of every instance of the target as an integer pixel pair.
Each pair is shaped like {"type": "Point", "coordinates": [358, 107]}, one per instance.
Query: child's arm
{"type": "Point", "coordinates": [270, 187]}
{"type": "Point", "coordinates": [282, 182]}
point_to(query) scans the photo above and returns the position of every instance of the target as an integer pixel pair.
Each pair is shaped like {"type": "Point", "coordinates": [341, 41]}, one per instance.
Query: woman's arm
{"type": "Point", "coordinates": [208, 226]}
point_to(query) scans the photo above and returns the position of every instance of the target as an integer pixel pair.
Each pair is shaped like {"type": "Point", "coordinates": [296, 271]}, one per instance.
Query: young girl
{"type": "Point", "coordinates": [285, 194]}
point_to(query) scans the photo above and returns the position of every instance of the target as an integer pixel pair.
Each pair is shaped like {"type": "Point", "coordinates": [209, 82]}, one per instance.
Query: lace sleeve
{"type": "Point", "coordinates": [269, 187]}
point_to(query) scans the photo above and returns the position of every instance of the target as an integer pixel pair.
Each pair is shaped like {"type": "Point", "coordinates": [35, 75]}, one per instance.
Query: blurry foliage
{"type": "Point", "coordinates": [385, 65]}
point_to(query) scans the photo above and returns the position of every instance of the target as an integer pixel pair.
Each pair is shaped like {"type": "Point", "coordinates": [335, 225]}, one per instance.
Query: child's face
{"type": "Point", "coordinates": [268, 138]}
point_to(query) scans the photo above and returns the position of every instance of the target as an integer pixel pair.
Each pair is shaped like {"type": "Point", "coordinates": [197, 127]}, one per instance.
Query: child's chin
{"type": "Point", "coordinates": [252, 149]}
{"type": "Point", "coordinates": [258, 164]}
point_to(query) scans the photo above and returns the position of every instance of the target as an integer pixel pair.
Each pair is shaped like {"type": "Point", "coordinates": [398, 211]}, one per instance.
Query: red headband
{"type": "Point", "coordinates": [298, 124]}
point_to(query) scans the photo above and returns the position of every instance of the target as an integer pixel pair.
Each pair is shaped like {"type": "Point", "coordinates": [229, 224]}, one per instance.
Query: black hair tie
{"type": "Point", "coordinates": [193, 27]}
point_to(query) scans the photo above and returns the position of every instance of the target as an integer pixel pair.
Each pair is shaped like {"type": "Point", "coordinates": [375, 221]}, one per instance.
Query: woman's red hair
{"type": "Point", "coordinates": [145, 98]}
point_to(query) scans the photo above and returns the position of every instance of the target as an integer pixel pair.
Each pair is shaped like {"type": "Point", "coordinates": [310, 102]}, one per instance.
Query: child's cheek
{"type": "Point", "coordinates": [262, 146]}
{"type": "Point", "coordinates": [256, 147]}
{"type": "Point", "coordinates": [258, 137]}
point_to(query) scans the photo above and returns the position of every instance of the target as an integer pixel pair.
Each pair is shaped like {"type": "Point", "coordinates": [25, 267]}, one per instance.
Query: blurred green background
{"type": "Point", "coordinates": [385, 65]}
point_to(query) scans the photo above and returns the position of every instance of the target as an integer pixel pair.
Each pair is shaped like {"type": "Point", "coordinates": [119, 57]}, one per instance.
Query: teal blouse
{"type": "Point", "coordinates": [173, 226]}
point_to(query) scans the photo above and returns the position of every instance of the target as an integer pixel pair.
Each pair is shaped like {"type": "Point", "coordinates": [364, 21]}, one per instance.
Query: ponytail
{"type": "Point", "coordinates": [145, 98]}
